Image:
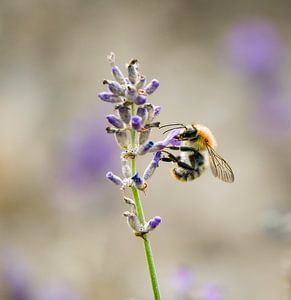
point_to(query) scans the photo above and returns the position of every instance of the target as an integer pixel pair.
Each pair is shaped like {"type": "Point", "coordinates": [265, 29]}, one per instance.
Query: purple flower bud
{"type": "Point", "coordinates": [115, 121]}
{"type": "Point", "coordinates": [140, 99]}
{"type": "Point", "coordinates": [143, 136]}
{"type": "Point", "coordinates": [154, 222]}
{"type": "Point", "coordinates": [139, 182]}
{"type": "Point", "coordinates": [125, 167]}
{"type": "Point", "coordinates": [149, 171]}
{"type": "Point", "coordinates": [114, 178]}
{"type": "Point", "coordinates": [109, 97]}
{"type": "Point", "coordinates": [118, 75]}
{"type": "Point", "coordinates": [136, 122]}
{"type": "Point", "coordinates": [133, 74]}
{"type": "Point", "coordinates": [115, 87]}
{"type": "Point", "coordinates": [157, 110]}
{"type": "Point", "coordinates": [152, 86]}
{"type": "Point", "coordinates": [141, 82]}
{"type": "Point", "coordinates": [145, 148]}
{"type": "Point", "coordinates": [124, 113]}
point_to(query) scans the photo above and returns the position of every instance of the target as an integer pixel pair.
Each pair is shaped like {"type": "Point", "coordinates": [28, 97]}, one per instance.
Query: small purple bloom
{"type": "Point", "coordinates": [115, 87]}
{"type": "Point", "coordinates": [136, 122]}
{"type": "Point", "coordinates": [137, 179]}
{"type": "Point", "coordinates": [157, 158]}
{"type": "Point", "coordinates": [109, 97]}
{"type": "Point", "coordinates": [145, 148]}
{"type": "Point", "coordinates": [140, 99]}
{"type": "Point", "coordinates": [152, 86]}
{"type": "Point", "coordinates": [157, 110]}
{"type": "Point", "coordinates": [149, 171]}
{"type": "Point", "coordinates": [114, 178]}
{"type": "Point", "coordinates": [115, 121]}
{"type": "Point", "coordinates": [118, 75]}
{"type": "Point", "coordinates": [170, 139]}
{"type": "Point", "coordinates": [139, 182]}
{"type": "Point", "coordinates": [153, 223]}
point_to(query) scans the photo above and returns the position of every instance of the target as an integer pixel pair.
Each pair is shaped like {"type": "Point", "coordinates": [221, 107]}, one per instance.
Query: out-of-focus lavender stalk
{"type": "Point", "coordinates": [132, 125]}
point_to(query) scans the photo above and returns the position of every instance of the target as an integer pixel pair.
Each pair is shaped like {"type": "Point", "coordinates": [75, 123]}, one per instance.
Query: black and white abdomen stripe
{"type": "Point", "coordinates": [196, 160]}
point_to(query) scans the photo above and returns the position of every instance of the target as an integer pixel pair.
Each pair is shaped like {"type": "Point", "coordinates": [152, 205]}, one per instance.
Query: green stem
{"type": "Point", "coordinates": [140, 215]}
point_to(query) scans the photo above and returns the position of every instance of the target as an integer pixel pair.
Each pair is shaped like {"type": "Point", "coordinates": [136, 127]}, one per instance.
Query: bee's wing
{"type": "Point", "coordinates": [219, 167]}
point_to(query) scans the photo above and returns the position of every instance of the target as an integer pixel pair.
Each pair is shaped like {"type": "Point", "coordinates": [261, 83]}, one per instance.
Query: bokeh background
{"type": "Point", "coordinates": [225, 64]}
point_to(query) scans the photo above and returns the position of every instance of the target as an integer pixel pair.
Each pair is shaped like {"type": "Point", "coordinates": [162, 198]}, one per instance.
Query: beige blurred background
{"type": "Point", "coordinates": [225, 64]}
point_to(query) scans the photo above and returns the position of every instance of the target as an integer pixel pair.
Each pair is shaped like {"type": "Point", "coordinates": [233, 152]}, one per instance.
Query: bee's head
{"type": "Point", "coordinates": [190, 133]}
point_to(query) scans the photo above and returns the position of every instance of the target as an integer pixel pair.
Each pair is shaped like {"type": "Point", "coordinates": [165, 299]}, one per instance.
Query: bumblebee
{"type": "Point", "coordinates": [196, 152]}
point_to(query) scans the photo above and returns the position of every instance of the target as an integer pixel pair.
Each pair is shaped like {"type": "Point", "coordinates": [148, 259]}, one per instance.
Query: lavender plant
{"type": "Point", "coordinates": [133, 120]}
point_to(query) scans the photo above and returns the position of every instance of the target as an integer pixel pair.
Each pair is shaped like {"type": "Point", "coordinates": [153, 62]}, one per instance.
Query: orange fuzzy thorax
{"type": "Point", "coordinates": [205, 135]}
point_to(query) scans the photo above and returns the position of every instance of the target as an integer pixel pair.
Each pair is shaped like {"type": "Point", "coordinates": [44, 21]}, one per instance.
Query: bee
{"type": "Point", "coordinates": [196, 152]}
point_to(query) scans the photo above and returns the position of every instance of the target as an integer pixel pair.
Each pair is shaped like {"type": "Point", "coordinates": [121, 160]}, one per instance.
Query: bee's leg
{"type": "Point", "coordinates": [176, 159]}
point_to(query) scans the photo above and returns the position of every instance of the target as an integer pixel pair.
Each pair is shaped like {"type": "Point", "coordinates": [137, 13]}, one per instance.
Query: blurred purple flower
{"type": "Point", "coordinates": [210, 292]}
{"type": "Point", "coordinates": [255, 47]}
{"type": "Point", "coordinates": [56, 292]}
{"type": "Point", "coordinates": [183, 281]}
{"type": "Point", "coordinates": [17, 280]}
{"type": "Point", "coordinates": [88, 153]}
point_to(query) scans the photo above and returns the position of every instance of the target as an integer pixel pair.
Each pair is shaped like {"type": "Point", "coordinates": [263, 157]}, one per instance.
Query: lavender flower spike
{"type": "Point", "coordinates": [132, 127]}
{"type": "Point", "coordinates": [136, 122]}
{"type": "Point", "coordinates": [152, 86]}
{"type": "Point", "coordinates": [115, 121]}
{"type": "Point", "coordinates": [114, 178]}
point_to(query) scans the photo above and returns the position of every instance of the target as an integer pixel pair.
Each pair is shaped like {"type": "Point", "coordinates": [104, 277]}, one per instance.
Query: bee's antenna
{"type": "Point", "coordinates": [173, 129]}
{"type": "Point", "coordinates": [173, 124]}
